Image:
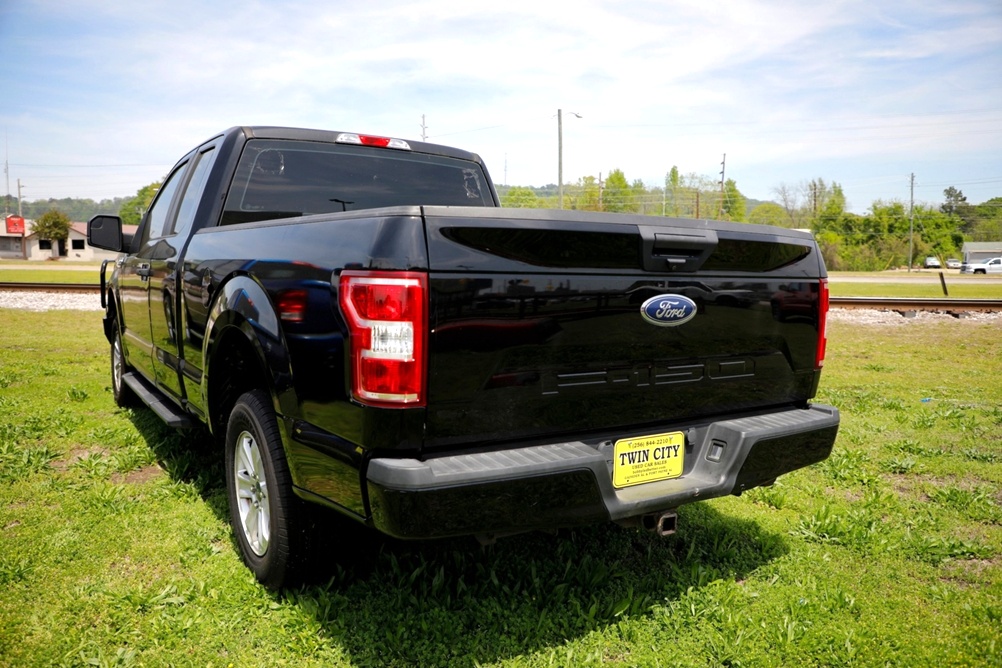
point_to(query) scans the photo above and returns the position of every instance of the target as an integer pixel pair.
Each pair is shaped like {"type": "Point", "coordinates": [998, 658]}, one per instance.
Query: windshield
{"type": "Point", "coordinates": [282, 179]}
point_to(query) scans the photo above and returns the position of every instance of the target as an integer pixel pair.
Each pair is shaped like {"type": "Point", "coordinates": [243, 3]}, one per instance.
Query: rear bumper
{"type": "Point", "coordinates": [570, 483]}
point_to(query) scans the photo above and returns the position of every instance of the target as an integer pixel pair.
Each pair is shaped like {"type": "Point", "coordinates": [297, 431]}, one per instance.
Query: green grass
{"type": "Point", "coordinates": [115, 549]}
{"type": "Point", "coordinates": [83, 275]}
{"type": "Point", "coordinates": [956, 289]}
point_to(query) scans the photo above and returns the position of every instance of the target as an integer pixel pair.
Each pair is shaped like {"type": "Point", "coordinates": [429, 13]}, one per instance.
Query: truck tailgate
{"type": "Point", "coordinates": [536, 325]}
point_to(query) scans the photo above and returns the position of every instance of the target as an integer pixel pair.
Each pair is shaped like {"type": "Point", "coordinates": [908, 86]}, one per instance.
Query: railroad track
{"type": "Point", "coordinates": [945, 304]}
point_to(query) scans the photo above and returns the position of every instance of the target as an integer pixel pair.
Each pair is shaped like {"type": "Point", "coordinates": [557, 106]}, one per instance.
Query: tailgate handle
{"type": "Point", "coordinates": [676, 248]}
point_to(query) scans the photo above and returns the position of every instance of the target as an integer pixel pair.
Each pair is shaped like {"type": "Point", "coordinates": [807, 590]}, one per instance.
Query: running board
{"type": "Point", "coordinates": [160, 404]}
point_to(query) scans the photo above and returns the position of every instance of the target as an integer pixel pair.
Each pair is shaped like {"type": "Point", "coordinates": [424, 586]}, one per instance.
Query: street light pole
{"type": "Point", "coordinates": [560, 155]}
{"type": "Point", "coordinates": [560, 158]}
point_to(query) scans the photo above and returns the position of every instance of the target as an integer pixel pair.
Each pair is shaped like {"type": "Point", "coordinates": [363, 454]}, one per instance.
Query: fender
{"type": "Point", "coordinates": [242, 303]}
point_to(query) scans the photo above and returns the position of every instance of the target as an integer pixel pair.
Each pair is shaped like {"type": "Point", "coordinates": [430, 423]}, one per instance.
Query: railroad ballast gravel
{"type": "Point", "coordinates": [59, 301]}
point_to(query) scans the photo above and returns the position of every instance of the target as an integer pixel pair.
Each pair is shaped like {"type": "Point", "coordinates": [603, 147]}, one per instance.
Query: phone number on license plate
{"type": "Point", "coordinates": [648, 459]}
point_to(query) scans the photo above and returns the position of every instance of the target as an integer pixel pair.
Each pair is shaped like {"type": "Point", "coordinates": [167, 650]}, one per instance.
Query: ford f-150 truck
{"type": "Point", "coordinates": [365, 328]}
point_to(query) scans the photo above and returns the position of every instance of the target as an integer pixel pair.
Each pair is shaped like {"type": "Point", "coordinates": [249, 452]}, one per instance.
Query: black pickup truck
{"type": "Point", "coordinates": [364, 328]}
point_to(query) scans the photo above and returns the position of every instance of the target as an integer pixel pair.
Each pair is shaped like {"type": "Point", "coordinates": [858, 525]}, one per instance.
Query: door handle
{"type": "Point", "coordinates": [143, 270]}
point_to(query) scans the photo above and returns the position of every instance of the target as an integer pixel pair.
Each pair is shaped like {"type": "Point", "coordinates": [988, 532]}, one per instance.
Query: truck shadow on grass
{"type": "Point", "coordinates": [453, 602]}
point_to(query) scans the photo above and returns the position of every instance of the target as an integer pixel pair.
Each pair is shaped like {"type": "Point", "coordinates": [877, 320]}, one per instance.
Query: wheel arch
{"type": "Point", "coordinates": [244, 349]}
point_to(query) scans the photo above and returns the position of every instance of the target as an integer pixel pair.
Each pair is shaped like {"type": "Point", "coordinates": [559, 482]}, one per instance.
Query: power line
{"type": "Point", "coordinates": [28, 164]}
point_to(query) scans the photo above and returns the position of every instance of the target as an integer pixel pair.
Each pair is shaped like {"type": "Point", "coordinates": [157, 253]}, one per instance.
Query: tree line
{"type": "Point", "coordinates": [73, 208]}
{"type": "Point", "coordinates": [884, 237]}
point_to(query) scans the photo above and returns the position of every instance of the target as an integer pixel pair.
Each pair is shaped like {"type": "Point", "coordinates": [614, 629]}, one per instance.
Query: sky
{"type": "Point", "coordinates": [102, 97]}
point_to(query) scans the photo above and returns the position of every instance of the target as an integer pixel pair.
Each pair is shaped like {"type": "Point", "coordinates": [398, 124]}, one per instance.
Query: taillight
{"type": "Point", "coordinates": [819, 358]}
{"type": "Point", "coordinates": [292, 305]}
{"type": "Point", "coordinates": [387, 329]}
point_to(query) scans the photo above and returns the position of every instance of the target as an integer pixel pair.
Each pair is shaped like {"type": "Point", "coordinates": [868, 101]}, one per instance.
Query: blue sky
{"type": "Point", "coordinates": [101, 97]}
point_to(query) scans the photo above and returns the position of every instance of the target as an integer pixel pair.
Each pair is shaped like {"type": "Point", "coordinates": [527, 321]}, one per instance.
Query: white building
{"type": "Point", "coordinates": [979, 251]}
{"type": "Point", "coordinates": [29, 246]}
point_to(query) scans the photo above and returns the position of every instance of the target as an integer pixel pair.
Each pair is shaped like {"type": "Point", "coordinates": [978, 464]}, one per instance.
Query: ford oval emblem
{"type": "Point", "coordinates": [668, 310]}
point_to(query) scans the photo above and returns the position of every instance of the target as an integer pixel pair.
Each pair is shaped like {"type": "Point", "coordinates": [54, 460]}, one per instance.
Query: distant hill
{"type": "Point", "coordinates": [752, 203]}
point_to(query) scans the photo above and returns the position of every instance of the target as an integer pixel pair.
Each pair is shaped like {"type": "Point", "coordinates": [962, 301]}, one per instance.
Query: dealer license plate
{"type": "Point", "coordinates": [647, 459]}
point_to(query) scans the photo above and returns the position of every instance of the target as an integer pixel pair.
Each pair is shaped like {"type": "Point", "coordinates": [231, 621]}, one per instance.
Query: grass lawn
{"type": "Point", "coordinates": [115, 549]}
{"type": "Point", "coordinates": [22, 271]}
{"type": "Point", "coordinates": [83, 275]}
{"type": "Point", "coordinates": [883, 285]}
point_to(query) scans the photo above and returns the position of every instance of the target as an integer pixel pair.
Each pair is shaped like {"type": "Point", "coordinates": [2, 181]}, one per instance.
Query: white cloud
{"type": "Point", "coordinates": [849, 86]}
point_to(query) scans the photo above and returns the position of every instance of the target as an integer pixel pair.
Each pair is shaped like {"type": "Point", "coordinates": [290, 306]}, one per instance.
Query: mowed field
{"type": "Point", "coordinates": [115, 548]}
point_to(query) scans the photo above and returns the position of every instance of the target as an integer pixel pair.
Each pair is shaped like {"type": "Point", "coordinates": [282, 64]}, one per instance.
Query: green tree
{"type": "Point", "coordinates": [956, 207]}
{"type": "Point", "coordinates": [133, 208]}
{"type": "Point", "coordinates": [585, 194]}
{"type": "Point", "coordinates": [53, 225]}
{"type": "Point", "coordinates": [643, 200]}
{"type": "Point", "coordinates": [733, 204]}
{"type": "Point", "coordinates": [954, 200]}
{"type": "Point", "coordinates": [831, 245]}
{"type": "Point", "coordinates": [768, 213]}
{"type": "Point", "coordinates": [673, 191]}
{"type": "Point", "coordinates": [520, 197]}
{"type": "Point", "coordinates": [987, 224]}
{"type": "Point", "coordinates": [617, 195]}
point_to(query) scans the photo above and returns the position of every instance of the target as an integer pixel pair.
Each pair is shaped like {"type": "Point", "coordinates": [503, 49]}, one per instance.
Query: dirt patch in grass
{"type": "Point", "coordinates": [139, 476]}
{"type": "Point", "coordinates": [968, 570]}
{"type": "Point", "coordinates": [906, 486]}
{"type": "Point", "coordinates": [75, 455]}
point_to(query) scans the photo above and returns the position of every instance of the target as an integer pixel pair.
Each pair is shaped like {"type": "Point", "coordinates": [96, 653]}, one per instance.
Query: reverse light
{"type": "Point", "coordinates": [371, 140]}
{"type": "Point", "coordinates": [819, 358]}
{"type": "Point", "coordinates": [387, 324]}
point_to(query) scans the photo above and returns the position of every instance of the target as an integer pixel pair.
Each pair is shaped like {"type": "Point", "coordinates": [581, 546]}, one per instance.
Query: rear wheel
{"type": "Point", "coordinates": [263, 507]}
{"type": "Point", "coordinates": [124, 396]}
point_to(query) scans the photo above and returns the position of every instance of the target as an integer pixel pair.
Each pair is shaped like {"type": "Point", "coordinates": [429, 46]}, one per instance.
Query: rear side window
{"type": "Point", "coordinates": [282, 179]}
{"type": "Point", "coordinates": [193, 193]}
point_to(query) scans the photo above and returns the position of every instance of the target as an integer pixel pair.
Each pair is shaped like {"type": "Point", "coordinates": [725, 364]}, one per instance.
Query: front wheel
{"type": "Point", "coordinates": [262, 503]}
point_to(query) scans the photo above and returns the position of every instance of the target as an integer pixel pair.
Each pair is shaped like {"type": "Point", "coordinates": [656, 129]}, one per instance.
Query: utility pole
{"type": "Point", "coordinates": [560, 155]}
{"type": "Point", "coordinates": [560, 158]}
{"type": "Point", "coordinates": [723, 167]}
{"type": "Point", "coordinates": [424, 129]}
{"type": "Point", "coordinates": [911, 223]}
{"type": "Point", "coordinates": [6, 173]}
{"type": "Point", "coordinates": [19, 198]}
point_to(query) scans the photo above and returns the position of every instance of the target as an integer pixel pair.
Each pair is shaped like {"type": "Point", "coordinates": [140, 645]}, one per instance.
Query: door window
{"type": "Point", "coordinates": [159, 212]}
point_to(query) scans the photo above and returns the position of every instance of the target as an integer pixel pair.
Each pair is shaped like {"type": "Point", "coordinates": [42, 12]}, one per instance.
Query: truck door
{"type": "Point", "coordinates": [165, 325]}
{"type": "Point", "coordinates": [135, 273]}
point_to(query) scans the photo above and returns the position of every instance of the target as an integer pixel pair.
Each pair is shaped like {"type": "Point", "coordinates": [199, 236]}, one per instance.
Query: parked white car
{"type": "Point", "coordinates": [992, 266]}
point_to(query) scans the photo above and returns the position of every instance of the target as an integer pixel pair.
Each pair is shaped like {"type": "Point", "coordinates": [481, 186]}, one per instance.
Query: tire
{"type": "Point", "coordinates": [124, 396]}
{"type": "Point", "coordinates": [267, 517]}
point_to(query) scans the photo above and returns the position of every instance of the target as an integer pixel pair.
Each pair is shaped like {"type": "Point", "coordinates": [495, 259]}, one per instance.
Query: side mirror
{"type": "Point", "coordinates": [104, 231]}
